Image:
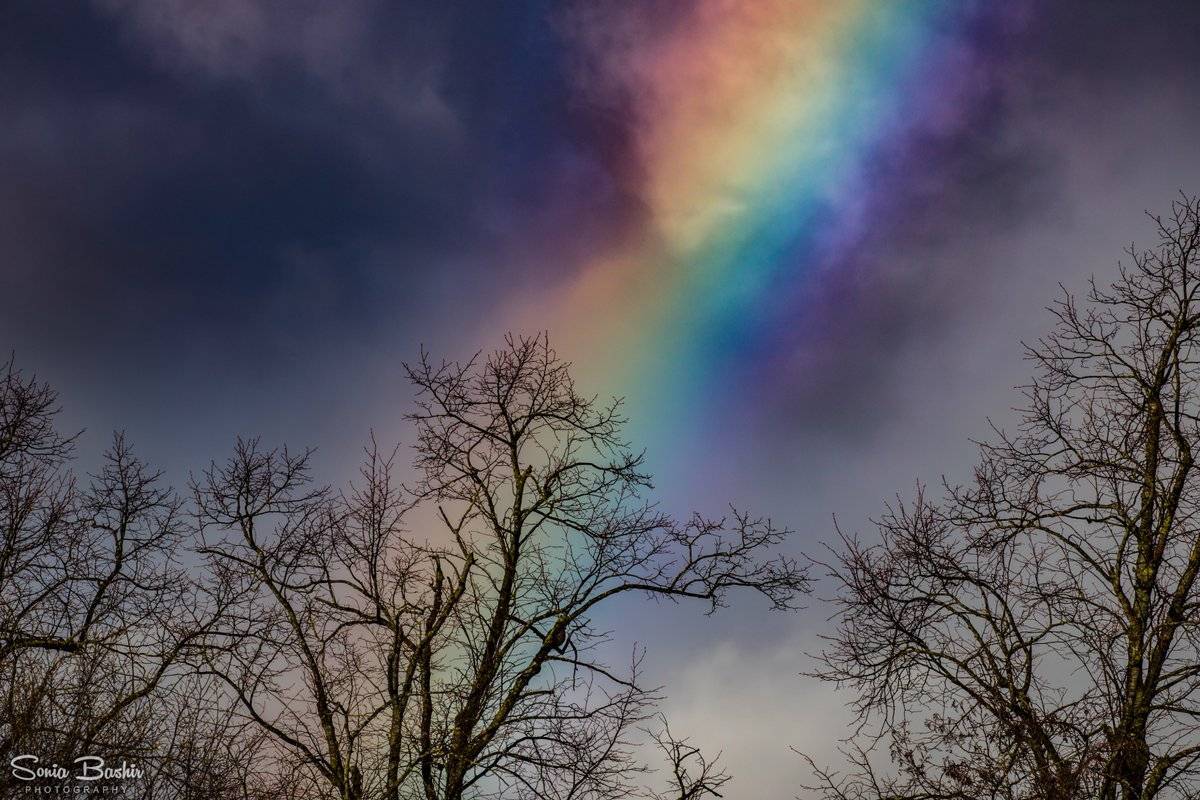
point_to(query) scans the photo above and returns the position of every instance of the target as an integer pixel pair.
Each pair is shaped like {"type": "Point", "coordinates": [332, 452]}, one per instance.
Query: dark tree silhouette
{"type": "Point", "coordinates": [692, 775]}
{"type": "Point", "coordinates": [1034, 634]}
{"type": "Point", "coordinates": [96, 612]}
{"type": "Point", "coordinates": [463, 662]}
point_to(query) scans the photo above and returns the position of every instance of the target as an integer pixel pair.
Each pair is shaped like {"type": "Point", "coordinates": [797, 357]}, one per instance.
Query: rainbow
{"type": "Point", "coordinates": [757, 129]}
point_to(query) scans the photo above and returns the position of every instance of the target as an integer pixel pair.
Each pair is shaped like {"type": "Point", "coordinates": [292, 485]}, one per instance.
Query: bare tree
{"type": "Point", "coordinates": [97, 612]}
{"type": "Point", "coordinates": [1034, 634]}
{"type": "Point", "coordinates": [693, 776]}
{"type": "Point", "coordinates": [466, 662]}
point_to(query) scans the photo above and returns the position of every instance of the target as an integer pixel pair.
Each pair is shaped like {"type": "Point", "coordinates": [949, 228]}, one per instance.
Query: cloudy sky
{"type": "Point", "coordinates": [803, 239]}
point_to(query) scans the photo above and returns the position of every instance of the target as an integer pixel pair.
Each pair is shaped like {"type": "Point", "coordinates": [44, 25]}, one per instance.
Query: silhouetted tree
{"type": "Point", "coordinates": [1035, 633]}
{"type": "Point", "coordinates": [96, 611]}
{"type": "Point", "coordinates": [692, 775]}
{"type": "Point", "coordinates": [463, 662]}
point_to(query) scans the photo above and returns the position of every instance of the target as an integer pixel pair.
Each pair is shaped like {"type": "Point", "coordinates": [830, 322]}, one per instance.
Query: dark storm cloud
{"type": "Point", "coordinates": [194, 194]}
{"type": "Point", "coordinates": [264, 192]}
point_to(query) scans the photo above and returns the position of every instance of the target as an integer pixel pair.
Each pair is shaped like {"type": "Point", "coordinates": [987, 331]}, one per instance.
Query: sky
{"type": "Point", "coordinates": [803, 239]}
